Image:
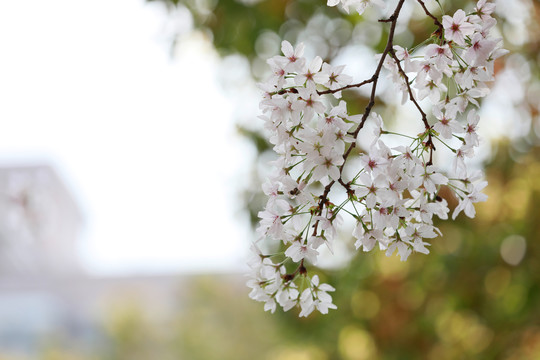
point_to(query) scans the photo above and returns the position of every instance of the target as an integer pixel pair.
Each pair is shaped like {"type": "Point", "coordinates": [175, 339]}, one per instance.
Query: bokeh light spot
{"type": "Point", "coordinates": [497, 280]}
{"type": "Point", "coordinates": [513, 249]}
{"type": "Point", "coordinates": [392, 267]}
{"type": "Point", "coordinates": [365, 304]}
{"type": "Point", "coordinates": [356, 344]}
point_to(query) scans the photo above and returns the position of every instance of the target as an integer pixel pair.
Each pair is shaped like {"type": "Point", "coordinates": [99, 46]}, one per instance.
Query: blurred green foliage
{"type": "Point", "coordinates": [464, 300]}
{"type": "Point", "coordinates": [476, 296]}
{"type": "Point", "coordinates": [236, 25]}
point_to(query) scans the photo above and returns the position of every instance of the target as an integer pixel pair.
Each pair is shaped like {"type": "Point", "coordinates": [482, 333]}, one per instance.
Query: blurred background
{"type": "Point", "coordinates": [131, 159]}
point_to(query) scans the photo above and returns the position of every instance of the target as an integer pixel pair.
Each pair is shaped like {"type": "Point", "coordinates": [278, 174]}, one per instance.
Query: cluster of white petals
{"type": "Point", "coordinates": [359, 5]}
{"type": "Point", "coordinates": [393, 195]}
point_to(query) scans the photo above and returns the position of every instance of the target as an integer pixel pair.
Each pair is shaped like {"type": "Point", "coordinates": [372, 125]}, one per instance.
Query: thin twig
{"type": "Point", "coordinates": [409, 90]}
{"type": "Point", "coordinates": [388, 50]}
{"type": "Point", "coordinates": [439, 32]}
{"type": "Point", "coordinates": [374, 79]}
{"type": "Point", "coordinates": [429, 143]}
{"type": "Point", "coordinates": [345, 87]}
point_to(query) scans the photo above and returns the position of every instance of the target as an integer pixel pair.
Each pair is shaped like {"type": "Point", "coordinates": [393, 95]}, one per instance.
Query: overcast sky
{"type": "Point", "coordinates": [145, 141]}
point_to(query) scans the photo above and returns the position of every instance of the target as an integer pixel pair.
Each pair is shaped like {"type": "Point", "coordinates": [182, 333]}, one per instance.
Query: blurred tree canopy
{"type": "Point", "coordinates": [477, 294]}
{"type": "Point", "coordinates": [235, 26]}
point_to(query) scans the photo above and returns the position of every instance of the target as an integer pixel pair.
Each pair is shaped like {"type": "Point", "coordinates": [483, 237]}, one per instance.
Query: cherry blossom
{"type": "Point", "coordinates": [456, 28]}
{"type": "Point", "coordinates": [359, 5]}
{"type": "Point", "coordinates": [392, 194]}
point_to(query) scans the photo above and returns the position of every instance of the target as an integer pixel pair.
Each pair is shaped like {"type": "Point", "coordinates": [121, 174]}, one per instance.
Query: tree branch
{"type": "Point", "coordinates": [429, 143]}
{"type": "Point", "coordinates": [345, 87]}
{"type": "Point", "coordinates": [374, 79]}
{"type": "Point", "coordinates": [409, 90]}
{"type": "Point", "coordinates": [439, 32]}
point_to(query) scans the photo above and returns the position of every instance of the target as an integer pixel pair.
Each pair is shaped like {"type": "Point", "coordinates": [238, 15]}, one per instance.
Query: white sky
{"type": "Point", "coordinates": [146, 142]}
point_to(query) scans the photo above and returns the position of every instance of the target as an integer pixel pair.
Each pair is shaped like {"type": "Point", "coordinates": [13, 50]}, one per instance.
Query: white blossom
{"type": "Point", "coordinates": [393, 194]}
{"type": "Point", "coordinates": [456, 28]}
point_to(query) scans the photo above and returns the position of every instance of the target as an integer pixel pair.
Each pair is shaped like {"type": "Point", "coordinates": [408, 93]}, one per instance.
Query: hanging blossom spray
{"type": "Point", "coordinates": [394, 194]}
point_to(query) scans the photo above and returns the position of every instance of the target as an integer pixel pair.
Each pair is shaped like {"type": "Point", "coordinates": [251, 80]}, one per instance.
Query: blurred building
{"type": "Point", "coordinates": [39, 224]}
{"type": "Point", "coordinates": [45, 294]}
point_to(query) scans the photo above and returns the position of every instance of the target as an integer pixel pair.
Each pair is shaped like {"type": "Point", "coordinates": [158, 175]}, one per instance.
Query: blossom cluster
{"type": "Point", "coordinates": [393, 193]}
{"type": "Point", "coordinates": [359, 5]}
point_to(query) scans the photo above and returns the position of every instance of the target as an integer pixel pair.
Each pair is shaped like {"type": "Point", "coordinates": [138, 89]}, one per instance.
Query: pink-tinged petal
{"type": "Point", "coordinates": [286, 48]}
{"type": "Point", "coordinates": [447, 21]}
{"type": "Point", "coordinates": [459, 16]}
{"type": "Point", "coordinates": [469, 210]}
{"type": "Point", "coordinates": [466, 28]}
{"type": "Point", "coordinates": [315, 64]}
{"type": "Point", "coordinates": [326, 287]}
{"type": "Point", "coordinates": [321, 78]}
{"type": "Point", "coordinates": [458, 38]}
{"type": "Point", "coordinates": [299, 52]}
{"type": "Point", "coordinates": [334, 173]}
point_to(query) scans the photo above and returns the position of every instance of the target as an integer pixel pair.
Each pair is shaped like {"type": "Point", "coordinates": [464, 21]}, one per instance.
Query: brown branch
{"type": "Point", "coordinates": [329, 91]}
{"type": "Point", "coordinates": [439, 32]}
{"type": "Point", "coordinates": [345, 87]}
{"type": "Point", "coordinates": [322, 200]}
{"type": "Point", "coordinates": [385, 20]}
{"type": "Point", "coordinates": [411, 95]}
{"type": "Point", "coordinates": [429, 143]}
{"type": "Point", "coordinates": [374, 79]}
{"type": "Point", "coordinates": [301, 269]}
{"type": "Point", "coordinates": [388, 50]}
